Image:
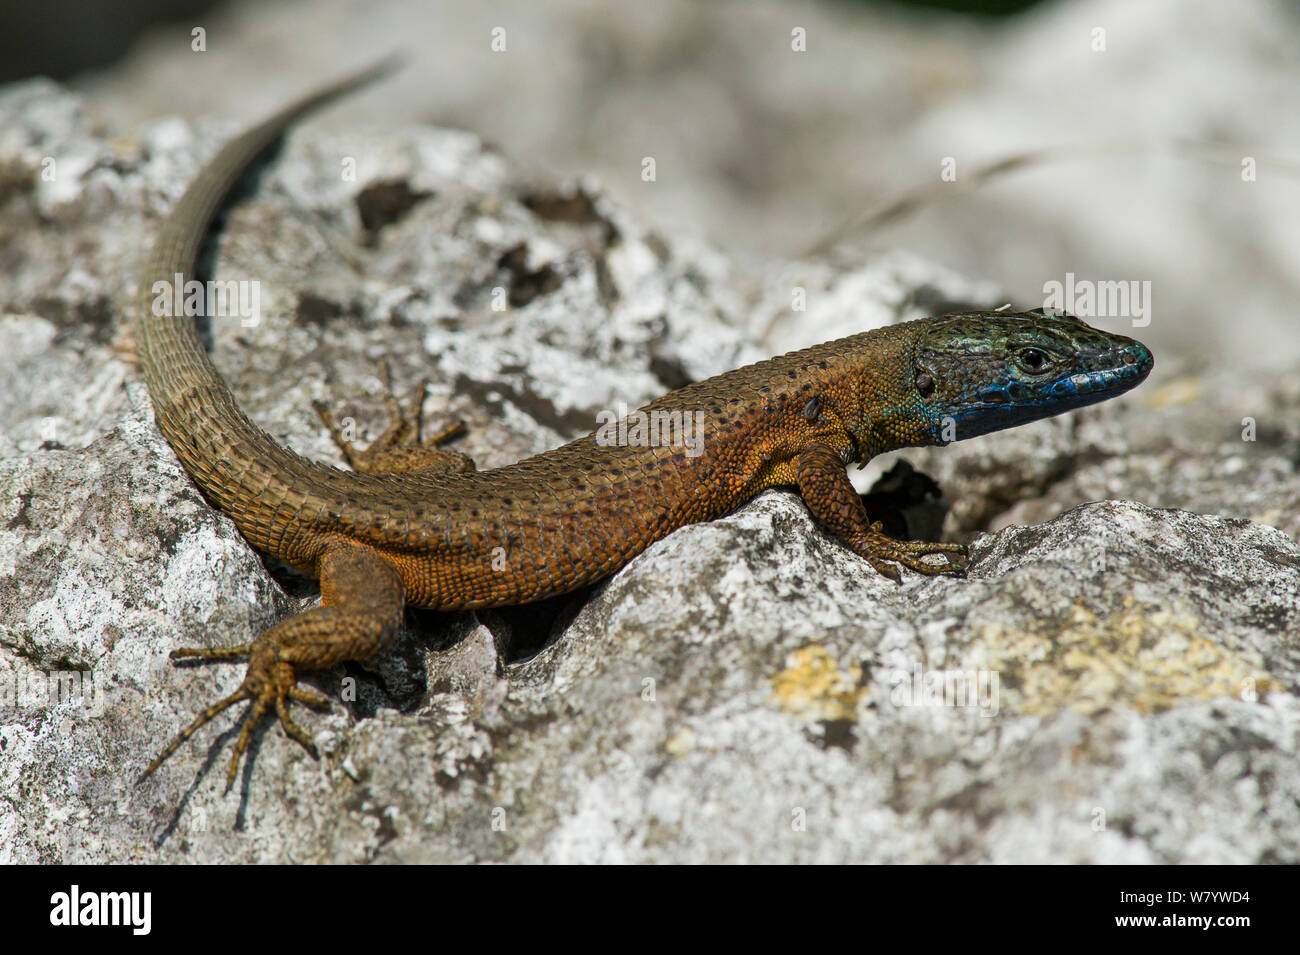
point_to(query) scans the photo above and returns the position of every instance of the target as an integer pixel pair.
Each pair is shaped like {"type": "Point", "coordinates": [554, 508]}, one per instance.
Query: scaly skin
{"type": "Point", "coordinates": [414, 524]}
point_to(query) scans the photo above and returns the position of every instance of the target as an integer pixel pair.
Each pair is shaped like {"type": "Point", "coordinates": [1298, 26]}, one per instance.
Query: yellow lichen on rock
{"type": "Point", "coordinates": [681, 742]}
{"type": "Point", "coordinates": [813, 686]}
{"type": "Point", "coordinates": [1143, 658]}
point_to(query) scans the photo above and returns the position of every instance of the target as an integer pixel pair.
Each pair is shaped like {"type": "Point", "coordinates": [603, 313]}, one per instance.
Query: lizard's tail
{"type": "Point", "coordinates": [232, 459]}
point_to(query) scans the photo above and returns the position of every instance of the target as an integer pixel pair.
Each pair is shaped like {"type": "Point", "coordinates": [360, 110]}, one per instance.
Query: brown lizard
{"type": "Point", "coordinates": [415, 524]}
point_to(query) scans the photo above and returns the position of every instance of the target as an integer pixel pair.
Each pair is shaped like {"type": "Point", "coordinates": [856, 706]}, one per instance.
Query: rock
{"type": "Point", "coordinates": [1114, 682]}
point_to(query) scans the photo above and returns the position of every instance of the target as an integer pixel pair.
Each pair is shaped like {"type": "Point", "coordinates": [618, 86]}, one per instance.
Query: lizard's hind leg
{"type": "Point", "coordinates": [362, 600]}
{"type": "Point", "coordinates": [399, 449]}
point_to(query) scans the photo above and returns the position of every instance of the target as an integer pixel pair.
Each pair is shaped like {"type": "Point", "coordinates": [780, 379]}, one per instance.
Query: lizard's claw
{"type": "Point", "coordinates": [269, 683]}
{"type": "Point", "coordinates": [954, 558]}
{"type": "Point", "coordinates": [878, 548]}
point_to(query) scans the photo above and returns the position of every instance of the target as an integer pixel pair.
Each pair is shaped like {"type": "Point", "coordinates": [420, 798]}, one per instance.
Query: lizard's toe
{"type": "Point", "coordinates": [878, 549]}
{"type": "Point", "coordinates": [270, 684]}
{"type": "Point", "coordinates": [953, 558]}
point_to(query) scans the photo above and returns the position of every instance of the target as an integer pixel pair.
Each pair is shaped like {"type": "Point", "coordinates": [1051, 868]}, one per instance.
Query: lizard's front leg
{"type": "Point", "coordinates": [836, 506]}
{"type": "Point", "coordinates": [362, 599]}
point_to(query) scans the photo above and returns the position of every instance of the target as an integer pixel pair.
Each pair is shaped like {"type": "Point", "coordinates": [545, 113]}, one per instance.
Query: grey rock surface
{"type": "Point", "coordinates": [1149, 109]}
{"type": "Point", "coordinates": [1116, 680]}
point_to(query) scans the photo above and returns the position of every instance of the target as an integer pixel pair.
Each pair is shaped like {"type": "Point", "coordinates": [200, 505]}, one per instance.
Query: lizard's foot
{"type": "Point", "coordinates": [825, 488]}
{"type": "Point", "coordinates": [270, 684]}
{"type": "Point", "coordinates": [878, 549]}
{"type": "Point", "coordinates": [399, 450]}
{"type": "Point", "coordinates": [362, 599]}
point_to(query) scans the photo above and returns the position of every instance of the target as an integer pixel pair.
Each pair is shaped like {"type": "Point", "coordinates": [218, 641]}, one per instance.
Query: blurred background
{"type": "Point", "coordinates": [1149, 109]}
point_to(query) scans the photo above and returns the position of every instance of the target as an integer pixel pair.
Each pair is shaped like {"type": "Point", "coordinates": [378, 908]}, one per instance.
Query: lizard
{"type": "Point", "coordinates": [416, 524]}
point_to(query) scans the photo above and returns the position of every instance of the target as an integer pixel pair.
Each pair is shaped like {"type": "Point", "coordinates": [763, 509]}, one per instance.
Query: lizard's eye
{"type": "Point", "coordinates": [1033, 360]}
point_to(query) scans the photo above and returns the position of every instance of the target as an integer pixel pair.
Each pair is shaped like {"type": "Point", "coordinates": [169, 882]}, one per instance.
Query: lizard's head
{"type": "Point", "coordinates": [977, 372]}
